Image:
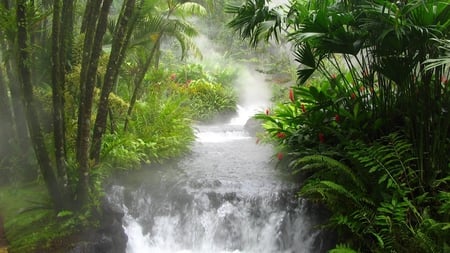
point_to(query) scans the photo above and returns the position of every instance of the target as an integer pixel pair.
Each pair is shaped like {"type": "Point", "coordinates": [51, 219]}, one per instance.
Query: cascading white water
{"type": "Point", "coordinates": [225, 196]}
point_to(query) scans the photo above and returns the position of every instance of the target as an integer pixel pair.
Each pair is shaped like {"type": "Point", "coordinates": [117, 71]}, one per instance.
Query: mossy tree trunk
{"type": "Point", "coordinates": [96, 21]}
{"type": "Point", "coordinates": [6, 125]}
{"type": "Point", "coordinates": [35, 131]}
{"type": "Point", "coordinates": [122, 34]}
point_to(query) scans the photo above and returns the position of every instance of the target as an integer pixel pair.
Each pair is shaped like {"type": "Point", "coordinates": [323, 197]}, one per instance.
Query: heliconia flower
{"type": "Point", "coordinates": [303, 108]}
{"type": "Point", "coordinates": [280, 156]}
{"type": "Point", "coordinates": [353, 96]}
{"type": "Point", "coordinates": [337, 118]}
{"type": "Point", "coordinates": [321, 138]}
{"type": "Point", "coordinates": [267, 111]}
{"type": "Point", "coordinates": [281, 135]}
{"type": "Point", "coordinates": [291, 95]}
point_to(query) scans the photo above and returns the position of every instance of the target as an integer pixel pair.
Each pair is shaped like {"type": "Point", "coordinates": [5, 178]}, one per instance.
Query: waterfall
{"type": "Point", "coordinates": [225, 196]}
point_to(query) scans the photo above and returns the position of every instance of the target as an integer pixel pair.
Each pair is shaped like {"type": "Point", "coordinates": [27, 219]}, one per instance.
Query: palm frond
{"type": "Point", "coordinates": [254, 20]}
{"type": "Point", "coordinates": [307, 62]}
{"type": "Point", "coordinates": [191, 9]}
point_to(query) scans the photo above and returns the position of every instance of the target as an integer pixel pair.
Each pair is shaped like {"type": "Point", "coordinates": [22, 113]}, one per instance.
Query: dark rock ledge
{"type": "Point", "coordinates": [109, 237]}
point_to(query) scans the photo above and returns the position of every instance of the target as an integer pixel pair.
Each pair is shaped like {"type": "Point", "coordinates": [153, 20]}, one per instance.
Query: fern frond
{"type": "Point", "coordinates": [390, 159]}
{"type": "Point", "coordinates": [342, 248]}
{"type": "Point", "coordinates": [328, 162]}
{"type": "Point", "coordinates": [330, 192]}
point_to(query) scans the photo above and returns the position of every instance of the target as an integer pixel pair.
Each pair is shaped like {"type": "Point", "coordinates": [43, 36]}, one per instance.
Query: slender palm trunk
{"type": "Point", "coordinates": [119, 46]}
{"type": "Point", "coordinates": [58, 94]}
{"type": "Point", "coordinates": [91, 55]}
{"type": "Point", "coordinates": [35, 131]}
{"type": "Point", "coordinates": [139, 80]}
{"type": "Point", "coordinates": [6, 126]}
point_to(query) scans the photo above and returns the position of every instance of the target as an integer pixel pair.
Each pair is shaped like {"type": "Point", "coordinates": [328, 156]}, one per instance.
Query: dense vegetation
{"type": "Point", "coordinates": [88, 88]}
{"type": "Point", "coordinates": [367, 126]}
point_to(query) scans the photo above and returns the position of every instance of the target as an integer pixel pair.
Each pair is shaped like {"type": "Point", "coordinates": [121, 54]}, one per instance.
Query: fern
{"type": "Point", "coordinates": [321, 161]}
{"type": "Point", "coordinates": [342, 248]}
{"type": "Point", "coordinates": [390, 160]}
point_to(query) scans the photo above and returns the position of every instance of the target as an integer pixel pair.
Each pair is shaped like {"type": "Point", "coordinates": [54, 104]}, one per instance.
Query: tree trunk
{"type": "Point", "coordinates": [119, 46]}
{"type": "Point", "coordinates": [6, 125]}
{"type": "Point", "coordinates": [67, 21]}
{"type": "Point", "coordinates": [19, 121]}
{"type": "Point", "coordinates": [36, 135]}
{"type": "Point", "coordinates": [87, 85]}
{"type": "Point", "coordinates": [139, 81]}
{"type": "Point", "coordinates": [58, 94]}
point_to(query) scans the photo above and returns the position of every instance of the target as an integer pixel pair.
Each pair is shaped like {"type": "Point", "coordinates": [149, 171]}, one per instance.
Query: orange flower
{"type": "Point", "coordinates": [173, 76]}
{"type": "Point", "coordinates": [281, 135]}
{"type": "Point", "coordinates": [280, 156]}
{"type": "Point", "coordinates": [303, 108]}
{"type": "Point", "coordinates": [291, 95]}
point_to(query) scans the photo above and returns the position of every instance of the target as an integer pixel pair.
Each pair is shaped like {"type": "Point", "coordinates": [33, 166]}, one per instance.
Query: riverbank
{"type": "Point", "coordinates": [28, 224]}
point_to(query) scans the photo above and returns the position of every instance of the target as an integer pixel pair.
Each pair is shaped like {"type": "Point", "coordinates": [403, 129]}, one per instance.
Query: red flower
{"type": "Point", "coordinates": [280, 156]}
{"type": "Point", "coordinates": [291, 95]}
{"type": "Point", "coordinates": [303, 108]}
{"type": "Point", "coordinates": [281, 135]}
{"type": "Point", "coordinates": [321, 138]}
{"type": "Point", "coordinates": [337, 118]}
{"type": "Point", "coordinates": [267, 111]}
{"type": "Point", "coordinates": [353, 96]}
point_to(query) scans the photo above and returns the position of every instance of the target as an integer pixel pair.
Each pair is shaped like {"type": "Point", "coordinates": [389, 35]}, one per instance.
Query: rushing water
{"type": "Point", "coordinates": [225, 196]}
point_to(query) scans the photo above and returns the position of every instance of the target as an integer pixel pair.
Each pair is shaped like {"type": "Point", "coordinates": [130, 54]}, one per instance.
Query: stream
{"type": "Point", "coordinates": [224, 196]}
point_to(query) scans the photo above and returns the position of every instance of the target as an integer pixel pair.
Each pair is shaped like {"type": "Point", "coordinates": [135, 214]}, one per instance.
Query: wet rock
{"type": "Point", "coordinates": [253, 126]}
{"type": "Point", "coordinates": [109, 237]}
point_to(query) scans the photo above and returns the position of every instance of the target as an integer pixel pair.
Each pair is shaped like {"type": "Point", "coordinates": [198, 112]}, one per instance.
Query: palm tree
{"type": "Point", "coordinates": [154, 26]}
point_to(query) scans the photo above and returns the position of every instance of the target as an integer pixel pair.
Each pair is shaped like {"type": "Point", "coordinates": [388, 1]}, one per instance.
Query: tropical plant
{"type": "Point", "coordinates": [156, 25]}
{"type": "Point", "coordinates": [208, 99]}
{"type": "Point", "coordinates": [366, 126]}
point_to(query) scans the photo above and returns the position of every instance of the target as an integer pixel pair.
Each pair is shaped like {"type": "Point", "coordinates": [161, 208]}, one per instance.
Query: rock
{"type": "Point", "coordinates": [253, 126]}
{"type": "Point", "coordinates": [109, 237]}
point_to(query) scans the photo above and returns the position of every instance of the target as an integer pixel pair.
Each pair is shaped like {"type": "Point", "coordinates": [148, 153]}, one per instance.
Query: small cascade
{"type": "Point", "coordinates": [226, 196]}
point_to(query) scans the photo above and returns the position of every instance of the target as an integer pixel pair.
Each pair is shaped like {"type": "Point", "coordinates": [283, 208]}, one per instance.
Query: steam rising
{"type": "Point", "coordinates": [252, 88]}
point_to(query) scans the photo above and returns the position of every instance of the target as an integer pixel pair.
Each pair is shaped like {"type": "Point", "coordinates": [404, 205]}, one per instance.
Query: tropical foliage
{"type": "Point", "coordinates": [366, 127]}
{"type": "Point", "coordinates": [84, 92]}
